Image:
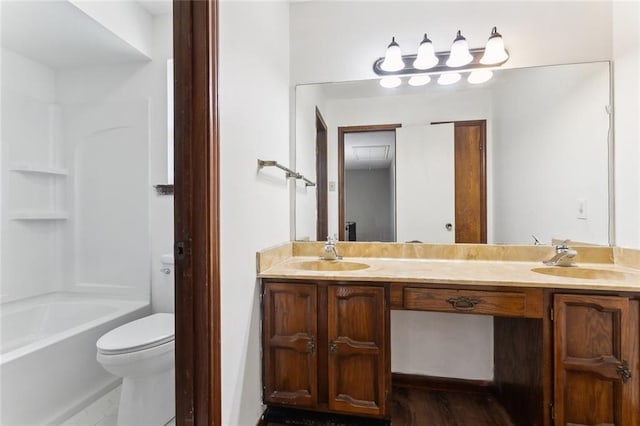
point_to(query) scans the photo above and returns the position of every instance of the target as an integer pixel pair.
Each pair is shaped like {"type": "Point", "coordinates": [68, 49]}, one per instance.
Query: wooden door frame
{"type": "Point", "coordinates": [322, 217]}
{"type": "Point", "coordinates": [341, 132]}
{"type": "Point", "coordinates": [197, 207]}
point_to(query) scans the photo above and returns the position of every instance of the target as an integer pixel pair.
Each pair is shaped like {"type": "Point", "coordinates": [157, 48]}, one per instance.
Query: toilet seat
{"type": "Point", "coordinates": [139, 335]}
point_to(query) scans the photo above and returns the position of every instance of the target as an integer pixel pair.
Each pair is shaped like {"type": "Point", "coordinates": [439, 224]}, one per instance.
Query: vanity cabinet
{"type": "Point", "coordinates": [290, 330]}
{"type": "Point", "coordinates": [596, 360]}
{"type": "Point", "coordinates": [325, 347]}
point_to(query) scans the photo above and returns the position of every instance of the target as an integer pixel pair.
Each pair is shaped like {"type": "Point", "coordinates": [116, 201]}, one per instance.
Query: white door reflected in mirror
{"type": "Point", "coordinates": [425, 185]}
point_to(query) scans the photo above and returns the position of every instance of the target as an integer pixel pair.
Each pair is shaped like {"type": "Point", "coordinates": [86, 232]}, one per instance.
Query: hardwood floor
{"type": "Point", "coordinates": [411, 406]}
{"type": "Point", "coordinates": [421, 407]}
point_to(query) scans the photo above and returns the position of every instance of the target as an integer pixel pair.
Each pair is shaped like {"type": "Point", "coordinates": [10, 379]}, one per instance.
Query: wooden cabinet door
{"type": "Point", "coordinates": [358, 368]}
{"type": "Point", "coordinates": [593, 349]}
{"type": "Point", "coordinates": [289, 344]}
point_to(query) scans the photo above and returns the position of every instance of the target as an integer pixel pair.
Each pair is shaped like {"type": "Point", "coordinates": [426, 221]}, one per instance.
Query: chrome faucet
{"type": "Point", "coordinates": [330, 252]}
{"type": "Point", "coordinates": [564, 256]}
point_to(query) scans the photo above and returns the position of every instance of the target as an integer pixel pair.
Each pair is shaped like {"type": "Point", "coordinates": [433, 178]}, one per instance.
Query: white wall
{"type": "Point", "coordinates": [30, 119]}
{"type": "Point", "coordinates": [254, 119]}
{"type": "Point", "coordinates": [339, 41]}
{"type": "Point", "coordinates": [626, 77]}
{"type": "Point", "coordinates": [367, 201]}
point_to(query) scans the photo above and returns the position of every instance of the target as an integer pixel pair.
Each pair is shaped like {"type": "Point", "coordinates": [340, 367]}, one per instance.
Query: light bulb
{"type": "Point", "coordinates": [494, 52]}
{"type": "Point", "coordinates": [459, 55]}
{"type": "Point", "coordinates": [392, 58]}
{"type": "Point", "coordinates": [426, 57]}
{"type": "Point", "coordinates": [449, 78]}
{"type": "Point", "coordinates": [390, 82]}
{"type": "Point", "coordinates": [479, 76]}
{"type": "Point", "coordinates": [419, 80]}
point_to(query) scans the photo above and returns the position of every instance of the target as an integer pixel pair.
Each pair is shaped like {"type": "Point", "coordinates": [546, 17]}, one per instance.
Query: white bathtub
{"type": "Point", "coordinates": [48, 367]}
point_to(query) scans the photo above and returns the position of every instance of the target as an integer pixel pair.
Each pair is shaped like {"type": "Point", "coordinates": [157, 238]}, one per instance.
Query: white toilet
{"type": "Point", "coordinates": [142, 353]}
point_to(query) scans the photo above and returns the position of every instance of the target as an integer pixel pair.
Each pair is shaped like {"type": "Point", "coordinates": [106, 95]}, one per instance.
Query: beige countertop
{"type": "Point", "coordinates": [286, 262]}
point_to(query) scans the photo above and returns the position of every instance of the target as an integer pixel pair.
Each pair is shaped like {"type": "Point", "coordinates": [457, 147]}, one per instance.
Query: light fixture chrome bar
{"type": "Point", "coordinates": [439, 68]}
{"type": "Point", "coordinates": [290, 173]}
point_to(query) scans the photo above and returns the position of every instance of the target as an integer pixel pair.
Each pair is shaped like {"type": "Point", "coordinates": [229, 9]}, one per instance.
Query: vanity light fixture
{"type": "Point", "coordinates": [449, 78]}
{"type": "Point", "coordinates": [494, 51]}
{"type": "Point", "coordinates": [390, 82]}
{"type": "Point", "coordinates": [459, 55]}
{"type": "Point", "coordinates": [393, 57]}
{"type": "Point", "coordinates": [419, 80]}
{"type": "Point", "coordinates": [479, 76]}
{"type": "Point", "coordinates": [428, 62]}
{"type": "Point", "coordinates": [426, 57]}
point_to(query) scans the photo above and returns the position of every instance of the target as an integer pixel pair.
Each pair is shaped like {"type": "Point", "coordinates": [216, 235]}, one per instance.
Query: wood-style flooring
{"type": "Point", "coordinates": [412, 406]}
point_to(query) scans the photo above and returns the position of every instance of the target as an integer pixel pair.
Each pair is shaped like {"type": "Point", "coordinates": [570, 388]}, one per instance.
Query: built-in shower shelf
{"type": "Point", "coordinates": [28, 168]}
{"type": "Point", "coordinates": [39, 215]}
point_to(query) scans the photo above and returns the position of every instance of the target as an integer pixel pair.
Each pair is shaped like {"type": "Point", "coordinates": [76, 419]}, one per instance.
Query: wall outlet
{"type": "Point", "coordinates": [332, 186]}
{"type": "Point", "coordinates": [582, 209]}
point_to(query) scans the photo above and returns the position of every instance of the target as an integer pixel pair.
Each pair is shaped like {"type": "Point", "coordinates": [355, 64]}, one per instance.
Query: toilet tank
{"type": "Point", "coordinates": [163, 290]}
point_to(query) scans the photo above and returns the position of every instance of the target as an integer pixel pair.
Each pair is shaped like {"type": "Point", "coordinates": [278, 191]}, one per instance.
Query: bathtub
{"type": "Point", "coordinates": [48, 367]}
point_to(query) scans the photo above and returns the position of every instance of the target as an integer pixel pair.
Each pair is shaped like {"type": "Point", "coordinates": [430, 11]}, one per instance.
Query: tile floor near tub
{"type": "Point", "coordinates": [103, 412]}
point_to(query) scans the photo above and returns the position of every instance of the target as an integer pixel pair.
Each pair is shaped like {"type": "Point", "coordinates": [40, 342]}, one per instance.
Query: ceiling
{"type": "Point", "coordinates": [59, 35]}
{"type": "Point", "coordinates": [369, 150]}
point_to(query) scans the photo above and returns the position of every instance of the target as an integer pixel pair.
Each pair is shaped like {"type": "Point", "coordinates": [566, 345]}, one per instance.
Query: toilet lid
{"type": "Point", "coordinates": [140, 334]}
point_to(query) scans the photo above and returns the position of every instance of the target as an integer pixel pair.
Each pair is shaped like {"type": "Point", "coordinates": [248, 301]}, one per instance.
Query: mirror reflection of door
{"type": "Point", "coordinates": [366, 175]}
{"type": "Point", "coordinates": [438, 196]}
{"type": "Point", "coordinates": [425, 184]}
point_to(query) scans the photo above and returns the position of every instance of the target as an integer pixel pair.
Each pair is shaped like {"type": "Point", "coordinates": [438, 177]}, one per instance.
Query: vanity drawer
{"type": "Point", "coordinates": [526, 303]}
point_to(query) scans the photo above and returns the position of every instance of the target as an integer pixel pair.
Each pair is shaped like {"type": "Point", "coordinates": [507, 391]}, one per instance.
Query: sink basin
{"type": "Point", "coordinates": [329, 265]}
{"type": "Point", "coordinates": [585, 273]}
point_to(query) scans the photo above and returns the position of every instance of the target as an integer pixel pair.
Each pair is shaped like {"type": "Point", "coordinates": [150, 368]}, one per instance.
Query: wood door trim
{"type": "Point", "coordinates": [483, 173]}
{"type": "Point", "coordinates": [197, 206]}
{"type": "Point", "coordinates": [341, 132]}
{"type": "Point", "coordinates": [322, 218]}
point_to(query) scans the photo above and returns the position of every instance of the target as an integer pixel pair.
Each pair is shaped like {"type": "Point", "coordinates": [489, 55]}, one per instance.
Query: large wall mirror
{"type": "Point", "coordinates": [525, 154]}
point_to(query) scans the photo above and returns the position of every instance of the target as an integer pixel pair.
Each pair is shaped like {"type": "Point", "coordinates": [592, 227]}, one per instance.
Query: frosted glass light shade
{"type": "Point", "coordinates": [494, 51]}
{"type": "Point", "coordinates": [392, 58]}
{"type": "Point", "coordinates": [459, 55]}
{"type": "Point", "coordinates": [390, 82]}
{"type": "Point", "coordinates": [426, 57]}
{"type": "Point", "coordinates": [479, 76]}
{"type": "Point", "coordinates": [449, 78]}
{"type": "Point", "coordinates": [419, 80]}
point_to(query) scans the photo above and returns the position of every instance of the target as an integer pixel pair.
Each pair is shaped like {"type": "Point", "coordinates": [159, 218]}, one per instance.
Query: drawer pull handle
{"type": "Point", "coordinates": [623, 371]}
{"type": "Point", "coordinates": [463, 303]}
{"type": "Point", "coordinates": [333, 348]}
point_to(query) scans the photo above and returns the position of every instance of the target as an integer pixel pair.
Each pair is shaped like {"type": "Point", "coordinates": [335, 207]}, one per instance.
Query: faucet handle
{"type": "Point", "coordinates": [563, 245]}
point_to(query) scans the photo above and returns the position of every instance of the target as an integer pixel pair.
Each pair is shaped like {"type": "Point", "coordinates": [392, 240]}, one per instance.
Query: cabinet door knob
{"type": "Point", "coordinates": [311, 346]}
{"type": "Point", "coordinates": [463, 303]}
{"type": "Point", "coordinates": [623, 371]}
{"type": "Point", "coordinates": [333, 348]}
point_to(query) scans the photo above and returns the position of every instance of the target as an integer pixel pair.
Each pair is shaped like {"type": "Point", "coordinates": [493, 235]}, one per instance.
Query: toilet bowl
{"type": "Point", "coordinates": [142, 352]}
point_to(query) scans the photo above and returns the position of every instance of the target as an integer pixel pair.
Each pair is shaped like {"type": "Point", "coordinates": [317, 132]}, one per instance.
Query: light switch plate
{"type": "Point", "coordinates": [582, 209]}
{"type": "Point", "coordinates": [332, 186]}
